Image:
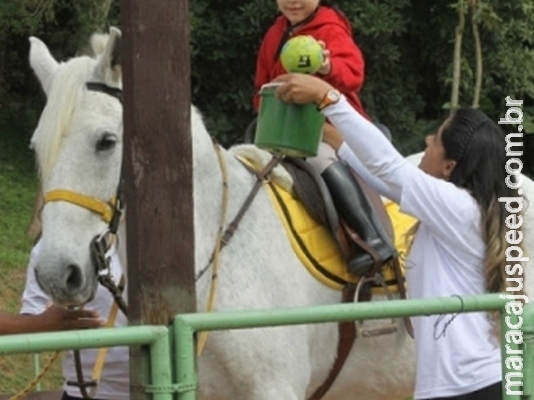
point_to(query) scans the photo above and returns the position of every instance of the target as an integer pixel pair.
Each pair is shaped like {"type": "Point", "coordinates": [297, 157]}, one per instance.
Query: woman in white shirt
{"type": "Point", "coordinates": [459, 246]}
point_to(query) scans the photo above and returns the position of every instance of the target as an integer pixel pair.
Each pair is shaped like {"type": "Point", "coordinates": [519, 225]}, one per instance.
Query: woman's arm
{"type": "Point", "coordinates": [53, 318]}
{"type": "Point", "coordinates": [449, 211]}
{"type": "Point", "coordinates": [332, 136]}
{"type": "Point", "coordinates": [347, 155]}
{"type": "Point", "coordinates": [370, 146]}
{"type": "Point", "coordinates": [442, 206]}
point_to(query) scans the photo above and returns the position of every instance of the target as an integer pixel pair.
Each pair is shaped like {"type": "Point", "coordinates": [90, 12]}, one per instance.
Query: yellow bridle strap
{"type": "Point", "coordinates": [90, 203]}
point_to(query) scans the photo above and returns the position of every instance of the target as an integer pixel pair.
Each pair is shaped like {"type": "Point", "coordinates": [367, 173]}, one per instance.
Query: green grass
{"type": "Point", "coordinates": [18, 187]}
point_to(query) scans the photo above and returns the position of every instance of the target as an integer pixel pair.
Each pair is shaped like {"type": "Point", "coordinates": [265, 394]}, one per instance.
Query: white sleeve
{"type": "Point", "coordinates": [441, 205]}
{"type": "Point", "coordinates": [370, 146]}
{"type": "Point", "coordinates": [347, 155]}
{"type": "Point", "coordinates": [34, 300]}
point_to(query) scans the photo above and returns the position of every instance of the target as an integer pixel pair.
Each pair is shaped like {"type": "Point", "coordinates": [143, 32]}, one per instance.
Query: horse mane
{"type": "Point", "coordinates": [62, 102]}
{"type": "Point", "coordinates": [63, 99]}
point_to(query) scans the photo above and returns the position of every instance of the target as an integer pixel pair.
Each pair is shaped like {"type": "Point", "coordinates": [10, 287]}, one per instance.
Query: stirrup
{"type": "Point", "coordinates": [385, 329]}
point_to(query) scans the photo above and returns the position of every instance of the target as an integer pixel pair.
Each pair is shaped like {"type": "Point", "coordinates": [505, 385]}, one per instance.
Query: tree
{"type": "Point", "coordinates": [408, 46]}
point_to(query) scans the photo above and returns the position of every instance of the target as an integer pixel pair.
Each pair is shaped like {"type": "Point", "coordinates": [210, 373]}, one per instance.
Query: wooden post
{"type": "Point", "coordinates": [158, 168]}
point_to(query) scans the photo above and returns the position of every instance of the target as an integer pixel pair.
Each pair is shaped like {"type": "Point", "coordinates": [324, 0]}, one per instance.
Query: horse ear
{"type": "Point", "coordinates": [43, 63]}
{"type": "Point", "coordinates": [108, 68]}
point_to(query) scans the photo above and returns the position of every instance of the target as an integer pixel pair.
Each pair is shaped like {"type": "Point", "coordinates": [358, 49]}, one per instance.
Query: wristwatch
{"type": "Point", "coordinates": [331, 97]}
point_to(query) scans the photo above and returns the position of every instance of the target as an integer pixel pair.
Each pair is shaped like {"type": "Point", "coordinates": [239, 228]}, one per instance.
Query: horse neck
{"type": "Point", "coordinates": [207, 188]}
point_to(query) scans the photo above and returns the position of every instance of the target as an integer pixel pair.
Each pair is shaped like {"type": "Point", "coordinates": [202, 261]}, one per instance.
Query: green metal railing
{"type": "Point", "coordinates": [156, 337]}
{"type": "Point", "coordinates": [186, 325]}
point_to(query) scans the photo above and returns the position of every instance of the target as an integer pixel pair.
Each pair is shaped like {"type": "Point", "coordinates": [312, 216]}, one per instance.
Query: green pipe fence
{"type": "Point", "coordinates": [156, 337]}
{"type": "Point", "coordinates": [186, 325]}
{"type": "Point", "coordinates": [182, 337]}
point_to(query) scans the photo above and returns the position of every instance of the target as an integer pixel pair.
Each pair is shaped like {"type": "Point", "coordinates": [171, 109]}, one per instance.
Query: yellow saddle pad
{"type": "Point", "coordinates": [402, 224]}
{"type": "Point", "coordinates": [317, 249]}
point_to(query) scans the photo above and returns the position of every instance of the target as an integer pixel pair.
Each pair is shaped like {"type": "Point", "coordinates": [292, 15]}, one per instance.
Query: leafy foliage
{"type": "Point", "coordinates": [408, 47]}
{"type": "Point", "coordinates": [224, 43]}
{"type": "Point", "coordinates": [64, 25]}
{"type": "Point", "coordinates": [407, 44]}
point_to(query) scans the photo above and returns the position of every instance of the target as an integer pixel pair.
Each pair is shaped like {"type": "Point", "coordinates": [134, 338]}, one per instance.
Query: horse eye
{"type": "Point", "coordinates": [106, 142]}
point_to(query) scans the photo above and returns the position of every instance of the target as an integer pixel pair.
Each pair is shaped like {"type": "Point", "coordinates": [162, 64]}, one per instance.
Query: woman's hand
{"type": "Point", "coordinates": [301, 88]}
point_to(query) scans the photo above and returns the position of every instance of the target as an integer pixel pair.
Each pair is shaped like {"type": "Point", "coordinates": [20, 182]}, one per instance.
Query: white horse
{"type": "Point", "coordinates": [79, 146]}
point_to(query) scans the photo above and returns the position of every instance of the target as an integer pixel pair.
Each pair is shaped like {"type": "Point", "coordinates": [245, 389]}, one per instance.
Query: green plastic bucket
{"type": "Point", "coordinates": [290, 129]}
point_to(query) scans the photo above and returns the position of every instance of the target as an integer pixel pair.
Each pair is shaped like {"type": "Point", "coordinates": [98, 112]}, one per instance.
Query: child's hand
{"type": "Point", "coordinates": [326, 66]}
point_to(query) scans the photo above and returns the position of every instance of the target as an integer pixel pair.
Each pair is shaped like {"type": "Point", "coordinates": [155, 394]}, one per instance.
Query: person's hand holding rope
{"type": "Point", "coordinates": [58, 318]}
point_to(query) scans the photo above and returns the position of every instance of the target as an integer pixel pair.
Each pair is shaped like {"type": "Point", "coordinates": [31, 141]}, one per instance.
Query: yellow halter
{"type": "Point", "coordinates": [104, 209]}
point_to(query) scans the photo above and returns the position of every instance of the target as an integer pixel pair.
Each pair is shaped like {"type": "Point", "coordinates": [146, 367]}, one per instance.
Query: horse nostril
{"type": "Point", "coordinates": [74, 278]}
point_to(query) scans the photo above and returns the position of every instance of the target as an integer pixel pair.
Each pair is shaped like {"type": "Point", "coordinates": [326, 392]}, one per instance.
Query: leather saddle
{"type": "Point", "coordinates": [316, 197]}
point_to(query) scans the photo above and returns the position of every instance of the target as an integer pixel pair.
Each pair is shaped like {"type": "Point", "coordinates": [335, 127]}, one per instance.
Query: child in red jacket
{"type": "Point", "coordinates": [343, 68]}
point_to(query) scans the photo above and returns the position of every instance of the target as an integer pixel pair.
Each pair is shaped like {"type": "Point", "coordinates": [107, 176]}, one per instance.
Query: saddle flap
{"type": "Point", "coordinates": [318, 199]}
{"type": "Point", "coordinates": [311, 190]}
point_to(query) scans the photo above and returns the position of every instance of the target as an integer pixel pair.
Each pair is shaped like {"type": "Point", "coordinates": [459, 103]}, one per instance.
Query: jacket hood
{"type": "Point", "coordinates": [323, 16]}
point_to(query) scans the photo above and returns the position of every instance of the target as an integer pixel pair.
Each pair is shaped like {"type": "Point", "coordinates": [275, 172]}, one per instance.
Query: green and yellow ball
{"type": "Point", "coordinates": [302, 54]}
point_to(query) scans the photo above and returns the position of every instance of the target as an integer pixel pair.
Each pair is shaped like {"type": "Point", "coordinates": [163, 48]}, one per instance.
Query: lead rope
{"type": "Point", "coordinates": [31, 386]}
{"type": "Point", "coordinates": [100, 359]}
{"type": "Point", "coordinates": [97, 370]}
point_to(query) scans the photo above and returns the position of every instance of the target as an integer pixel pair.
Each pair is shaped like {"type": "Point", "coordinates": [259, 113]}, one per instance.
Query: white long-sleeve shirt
{"type": "Point", "coordinates": [446, 259]}
{"type": "Point", "coordinates": [347, 155]}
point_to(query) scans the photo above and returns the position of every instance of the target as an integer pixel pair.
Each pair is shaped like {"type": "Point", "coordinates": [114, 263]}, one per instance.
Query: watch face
{"type": "Point", "coordinates": [333, 95]}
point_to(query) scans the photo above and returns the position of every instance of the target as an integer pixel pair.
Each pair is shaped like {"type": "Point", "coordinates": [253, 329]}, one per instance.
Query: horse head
{"type": "Point", "coordinates": [78, 144]}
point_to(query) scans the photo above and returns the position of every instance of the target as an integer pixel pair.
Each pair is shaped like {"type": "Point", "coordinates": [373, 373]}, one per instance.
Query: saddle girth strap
{"type": "Point", "coordinates": [347, 336]}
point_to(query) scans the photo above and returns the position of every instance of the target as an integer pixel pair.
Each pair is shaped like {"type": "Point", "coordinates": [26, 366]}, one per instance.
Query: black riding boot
{"type": "Point", "coordinates": [354, 208]}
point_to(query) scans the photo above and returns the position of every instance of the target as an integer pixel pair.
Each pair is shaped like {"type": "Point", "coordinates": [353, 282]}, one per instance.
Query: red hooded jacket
{"type": "Point", "coordinates": [347, 72]}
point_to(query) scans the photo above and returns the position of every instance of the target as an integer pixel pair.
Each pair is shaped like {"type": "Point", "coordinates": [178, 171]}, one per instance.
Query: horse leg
{"type": "Point", "coordinates": [264, 364]}
{"type": "Point", "coordinates": [263, 394]}
{"type": "Point", "coordinates": [268, 388]}
{"type": "Point", "coordinates": [273, 391]}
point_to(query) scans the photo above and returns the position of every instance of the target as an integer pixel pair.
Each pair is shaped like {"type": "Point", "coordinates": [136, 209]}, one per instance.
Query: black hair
{"type": "Point", "coordinates": [478, 146]}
